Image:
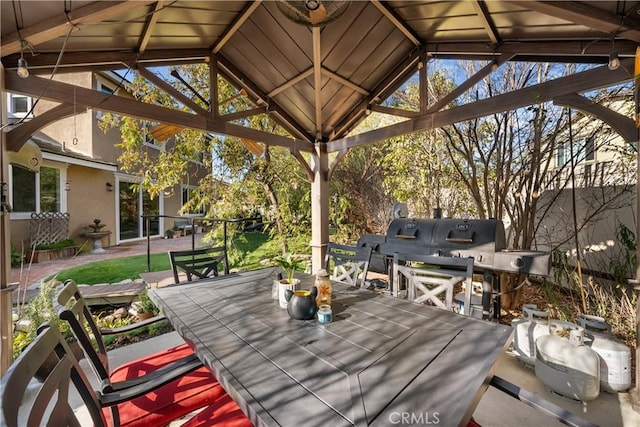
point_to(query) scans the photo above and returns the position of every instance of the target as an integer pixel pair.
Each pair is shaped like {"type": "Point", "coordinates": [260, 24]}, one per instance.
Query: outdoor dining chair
{"type": "Point", "coordinates": [199, 263]}
{"type": "Point", "coordinates": [166, 384]}
{"type": "Point", "coordinates": [348, 264]}
{"type": "Point", "coordinates": [431, 279]}
{"type": "Point", "coordinates": [31, 402]}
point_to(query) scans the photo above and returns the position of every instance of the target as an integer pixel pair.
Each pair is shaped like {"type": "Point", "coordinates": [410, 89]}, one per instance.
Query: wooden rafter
{"type": "Point", "coordinates": [148, 27]}
{"type": "Point", "coordinates": [467, 84]}
{"type": "Point", "coordinates": [399, 24]}
{"type": "Point", "coordinates": [547, 91]}
{"type": "Point", "coordinates": [251, 7]}
{"type": "Point", "coordinates": [88, 98]}
{"type": "Point", "coordinates": [303, 75]}
{"type": "Point", "coordinates": [584, 14]}
{"type": "Point", "coordinates": [49, 29]}
{"type": "Point", "coordinates": [622, 124]}
{"type": "Point", "coordinates": [485, 17]}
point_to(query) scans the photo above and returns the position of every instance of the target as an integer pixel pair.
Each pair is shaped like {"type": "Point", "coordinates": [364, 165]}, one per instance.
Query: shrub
{"type": "Point", "coordinates": [57, 245]}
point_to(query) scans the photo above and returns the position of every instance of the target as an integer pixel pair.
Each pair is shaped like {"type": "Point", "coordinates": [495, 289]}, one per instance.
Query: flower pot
{"type": "Point", "coordinates": [284, 286]}
{"type": "Point", "coordinates": [144, 316]}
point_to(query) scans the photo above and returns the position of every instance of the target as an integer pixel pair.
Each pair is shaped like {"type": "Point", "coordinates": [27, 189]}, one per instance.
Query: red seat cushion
{"type": "Point", "coordinates": [224, 412]}
{"type": "Point", "coordinates": [173, 400]}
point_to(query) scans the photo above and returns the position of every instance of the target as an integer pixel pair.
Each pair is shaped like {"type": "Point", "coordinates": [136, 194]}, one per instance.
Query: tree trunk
{"type": "Point", "coordinates": [511, 293]}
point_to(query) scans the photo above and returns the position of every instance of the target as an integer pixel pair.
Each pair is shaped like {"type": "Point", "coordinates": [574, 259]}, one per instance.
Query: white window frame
{"type": "Point", "coordinates": [580, 145]}
{"type": "Point", "coordinates": [134, 180]}
{"type": "Point", "coordinates": [184, 187]}
{"type": "Point", "coordinates": [63, 192]}
{"type": "Point", "coordinates": [100, 88]}
{"type": "Point", "coordinates": [11, 113]}
{"type": "Point", "coordinates": [148, 139]}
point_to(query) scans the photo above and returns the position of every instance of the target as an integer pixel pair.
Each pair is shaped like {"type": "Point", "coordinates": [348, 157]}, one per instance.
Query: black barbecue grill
{"type": "Point", "coordinates": [482, 239]}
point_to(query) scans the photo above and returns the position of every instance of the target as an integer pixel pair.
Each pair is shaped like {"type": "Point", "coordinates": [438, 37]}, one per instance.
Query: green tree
{"type": "Point", "coordinates": [241, 182]}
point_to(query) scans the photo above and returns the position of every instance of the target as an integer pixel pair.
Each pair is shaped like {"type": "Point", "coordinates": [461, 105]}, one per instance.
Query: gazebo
{"type": "Point", "coordinates": [317, 67]}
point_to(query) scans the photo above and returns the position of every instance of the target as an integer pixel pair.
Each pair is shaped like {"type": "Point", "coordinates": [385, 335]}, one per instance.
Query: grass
{"type": "Point", "coordinates": [245, 251]}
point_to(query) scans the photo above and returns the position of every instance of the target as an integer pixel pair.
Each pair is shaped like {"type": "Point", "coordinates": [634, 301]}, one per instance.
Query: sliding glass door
{"type": "Point", "coordinates": [134, 203]}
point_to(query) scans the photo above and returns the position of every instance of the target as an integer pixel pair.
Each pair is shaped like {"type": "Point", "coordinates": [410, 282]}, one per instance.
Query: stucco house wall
{"type": "Point", "coordinates": [90, 185]}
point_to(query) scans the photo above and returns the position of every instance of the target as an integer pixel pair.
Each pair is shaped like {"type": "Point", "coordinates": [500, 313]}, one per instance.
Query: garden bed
{"type": "Point", "coordinates": [44, 255]}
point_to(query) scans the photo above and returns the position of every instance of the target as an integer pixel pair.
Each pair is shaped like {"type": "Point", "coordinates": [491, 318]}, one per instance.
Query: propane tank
{"type": "Point", "coordinates": [567, 366]}
{"type": "Point", "coordinates": [615, 356]}
{"type": "Point", "coordinates": [532, 325]}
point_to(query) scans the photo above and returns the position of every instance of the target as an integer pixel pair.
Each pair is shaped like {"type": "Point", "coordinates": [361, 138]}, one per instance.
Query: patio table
{"type": "Point", "coordinates": [382, 361]}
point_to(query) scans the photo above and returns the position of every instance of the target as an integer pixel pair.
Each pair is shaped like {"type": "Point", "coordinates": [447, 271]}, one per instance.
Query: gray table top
{"type": "Point", "coordinates": [382, 361]}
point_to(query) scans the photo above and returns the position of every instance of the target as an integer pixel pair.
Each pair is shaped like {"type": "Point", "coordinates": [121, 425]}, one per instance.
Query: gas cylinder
{"type": "Point", "coordinates": [615, 356]}
{"type": "Point", "coordinates": [567, 366]}
{"type": "Point", "coordinates": [526, 330]}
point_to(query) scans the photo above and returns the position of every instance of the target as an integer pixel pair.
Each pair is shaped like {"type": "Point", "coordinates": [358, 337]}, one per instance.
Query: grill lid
{"type": "Point", "coordinates": [477, 238]}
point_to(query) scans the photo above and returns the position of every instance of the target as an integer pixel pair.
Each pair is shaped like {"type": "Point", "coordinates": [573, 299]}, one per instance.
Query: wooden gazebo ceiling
{"type": "Point", "coordinates": [317, 82]}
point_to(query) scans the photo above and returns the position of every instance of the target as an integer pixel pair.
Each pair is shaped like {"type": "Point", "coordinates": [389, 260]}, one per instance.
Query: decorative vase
{"type": "Point", "coordinates": [283, 287]}
{"type": "Point", "coordinates": [302, 304]}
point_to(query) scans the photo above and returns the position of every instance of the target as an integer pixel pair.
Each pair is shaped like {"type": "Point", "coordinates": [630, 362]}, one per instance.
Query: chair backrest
{"type": "Point", "coordinates": [199, 263]}
{"type": "Point", "coordinates": [432, 282]}
{"type": "Point", "coordinates": [46, 402]}
{"type": "Point", "coordinates": [348, 264]}
{"type": "Point", "coordinates": [71, 307]}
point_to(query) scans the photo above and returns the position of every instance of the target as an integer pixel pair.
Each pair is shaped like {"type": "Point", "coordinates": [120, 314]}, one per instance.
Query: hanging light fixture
{"type": "Point", "coordinates": [312, 13]}
{"type": "Point", "coordinates": [23, 71]}
{"type": "Point", "coordinates": [28, 156]}
{"type": "Point", "coordinates": [614, 60]}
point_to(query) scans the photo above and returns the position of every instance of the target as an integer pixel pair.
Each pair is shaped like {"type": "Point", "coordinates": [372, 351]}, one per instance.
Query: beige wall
{"type": "Point", "coordinates": [73, 133]}
{"type": "Point", "coordinates": [88, 199]}
{"type": "Point", "coordinates": [598, 239]}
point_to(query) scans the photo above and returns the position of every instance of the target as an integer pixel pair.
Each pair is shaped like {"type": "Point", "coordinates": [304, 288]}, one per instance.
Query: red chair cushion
{"type": "Point", "coordinates": [224, 412]}
{"type": "Point", "coordinates": [173, 400]}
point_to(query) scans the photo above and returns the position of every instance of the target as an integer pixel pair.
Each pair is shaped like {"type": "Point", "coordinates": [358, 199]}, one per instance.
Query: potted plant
{"type": "Point", "coordinates": [289, 263]}
{"type": "Point", "coordinates": [169, 233]}
{"type": "Point", "coordinates": [145, 308]}
{"type": "Point", "coordinates": [176, 231]}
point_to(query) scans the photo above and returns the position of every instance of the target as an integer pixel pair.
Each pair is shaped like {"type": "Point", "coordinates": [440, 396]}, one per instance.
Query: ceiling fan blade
{"type": "Point", "coordinates": [255, 147]}
{"type": "Point", "coordinates": [163, 131]}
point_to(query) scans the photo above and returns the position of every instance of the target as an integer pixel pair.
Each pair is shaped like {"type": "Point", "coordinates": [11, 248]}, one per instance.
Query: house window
{"type": "Point", "coordinates": [18, 105]}
{"type": "Point", "coordinates": [107, 90]}
{"type": "Point", "coordinates": [584, 150]}
{"type": "Point", "coordinates": [189, 193]}
{"type": "Point", "coordinates": [148, 136]}
{"type": "Point", "coordinates": [36, 192]}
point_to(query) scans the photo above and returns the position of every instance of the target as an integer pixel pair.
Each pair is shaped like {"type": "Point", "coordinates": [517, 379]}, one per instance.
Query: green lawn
{"type": "Point", "coordinates": [246, 251]}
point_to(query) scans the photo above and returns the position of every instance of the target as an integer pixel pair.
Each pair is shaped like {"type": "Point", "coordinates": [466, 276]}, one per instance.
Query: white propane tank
{"type": "Point", "coordinates": [526, 330]}
{"type": "Point", "coordinates": [615, 356]}
{"type": "Point", "coordinates": [567, 366]}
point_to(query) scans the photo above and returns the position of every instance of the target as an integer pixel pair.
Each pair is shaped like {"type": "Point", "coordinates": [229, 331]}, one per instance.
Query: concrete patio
{"type": "Point", "coordinates": [496, 409]}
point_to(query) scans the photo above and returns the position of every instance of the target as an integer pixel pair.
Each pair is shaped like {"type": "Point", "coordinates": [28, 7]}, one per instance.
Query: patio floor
{"type": "Point", "coordinates": [496, 409]}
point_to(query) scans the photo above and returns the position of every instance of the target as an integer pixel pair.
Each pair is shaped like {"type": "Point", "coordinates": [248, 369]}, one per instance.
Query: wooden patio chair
{"type": "Point", "coordinates": [199, 263]}
{"type": "Point", "coordinates": [431, 279]}
{"type": "Point", "coordinates": [348, 264]}
{"type": "Point", "coordinates": [27, 401]}
{"type": "Point", "coordinates": [167, 384]}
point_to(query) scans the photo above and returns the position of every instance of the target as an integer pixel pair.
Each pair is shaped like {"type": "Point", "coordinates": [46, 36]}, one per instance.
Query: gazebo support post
{"type": "Point", "coordinates": [319, 206]}
{"type": "Point", "coordinates": [6, 330]}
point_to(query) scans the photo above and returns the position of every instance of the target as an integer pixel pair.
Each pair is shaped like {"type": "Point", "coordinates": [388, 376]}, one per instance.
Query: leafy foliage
{"type": "Point", "coordinates": [66, 243]}
{"type": "Point", "coordinates": [289, 264]}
